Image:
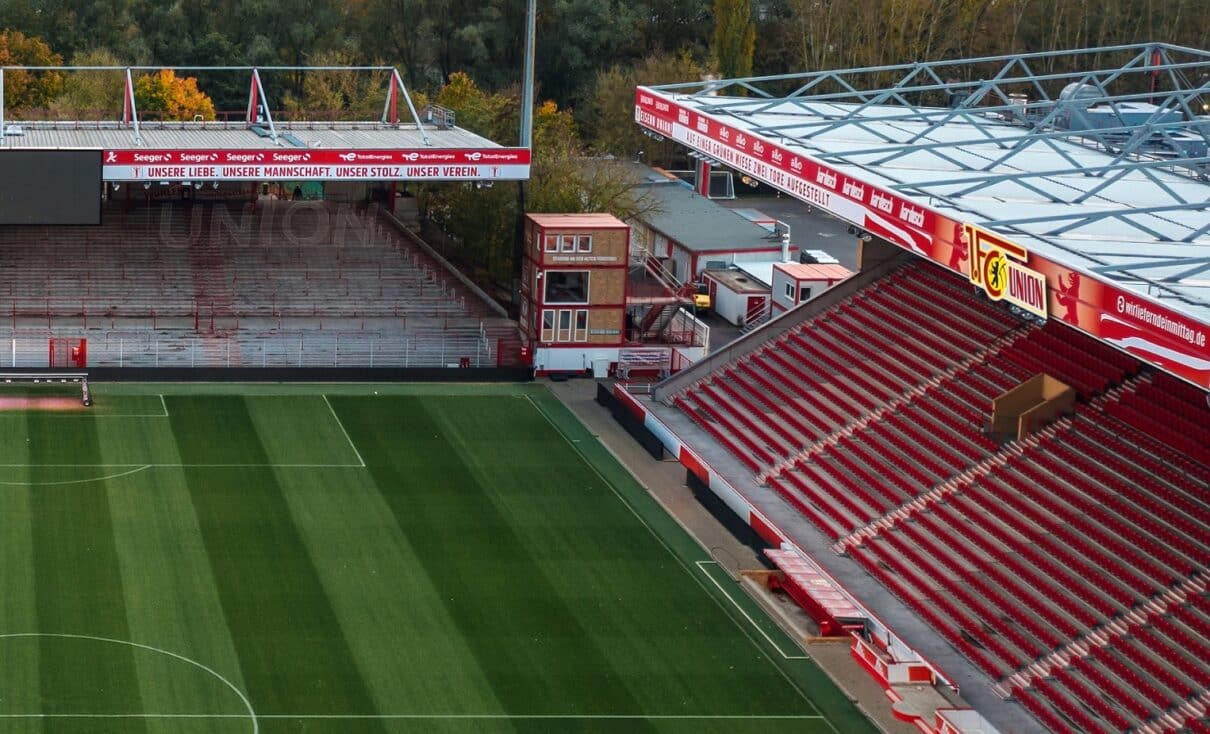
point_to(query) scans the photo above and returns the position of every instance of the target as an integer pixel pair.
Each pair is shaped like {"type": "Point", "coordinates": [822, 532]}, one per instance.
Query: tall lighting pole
{"type": "Point", "coordinates": [526, 141]}
{"type": "Point", "coordinates": [527, 83]}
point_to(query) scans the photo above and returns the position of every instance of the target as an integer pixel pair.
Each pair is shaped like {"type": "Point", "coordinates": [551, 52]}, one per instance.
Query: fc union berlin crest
{"type": "Point", "coordinates": [998, 267]}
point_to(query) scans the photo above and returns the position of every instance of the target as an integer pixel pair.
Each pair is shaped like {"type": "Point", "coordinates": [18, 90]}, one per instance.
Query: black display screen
{"type": "Point", "coordinates": [50, 187]}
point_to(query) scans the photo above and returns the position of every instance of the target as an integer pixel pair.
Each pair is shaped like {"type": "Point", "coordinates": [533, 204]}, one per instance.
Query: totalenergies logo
{"type": "Point", "coordinates": [998, 267]}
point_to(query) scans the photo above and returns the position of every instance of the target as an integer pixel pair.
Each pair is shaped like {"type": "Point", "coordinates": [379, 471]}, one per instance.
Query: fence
{"type": "Point", "coordinates": [470, 348]}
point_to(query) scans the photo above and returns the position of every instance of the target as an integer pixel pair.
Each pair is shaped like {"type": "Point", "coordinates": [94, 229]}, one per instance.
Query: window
{"type": "Point", "coordinates": [567, 243]}
{"type": "Point", "coordinates": [581, 334]}
{"type": "Point", "coordinates": [804, 294]}
{"type": "Point", "coordinates": [566, 286]}
{"type": "Point", "coordinates": [552, 243]}
{"type": "Point", "coordinates": [565, 325]}
{"type": "Point", "coordinates": [584, 243]}
{"type": "Point", "coordinates": [790, 291]}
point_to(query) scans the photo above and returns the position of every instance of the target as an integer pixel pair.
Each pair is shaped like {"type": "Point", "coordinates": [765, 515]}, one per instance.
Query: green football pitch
{"type": "Point", "coordinates": [350, 558]}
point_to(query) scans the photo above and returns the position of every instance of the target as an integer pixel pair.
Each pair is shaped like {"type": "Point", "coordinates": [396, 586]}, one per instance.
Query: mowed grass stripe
{"type": "Point", "coordinates": [78, 581]}
{"type": "Point", "coordinates": [172, 601]}
{"type": "Point", "coordinates": [529, 644]}
{"type": "Point", "coordinates": [19, 679]}
{"type": "Point", "coordinates": [409, 652]}
{"type": "Point", "coordinates": [678, 652]}
{"type": "Point", "coordinates": [292, 651]}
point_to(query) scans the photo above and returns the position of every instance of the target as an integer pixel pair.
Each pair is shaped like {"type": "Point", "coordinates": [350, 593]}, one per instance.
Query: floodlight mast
{"type": "Point", "coordinates": [527, 83]}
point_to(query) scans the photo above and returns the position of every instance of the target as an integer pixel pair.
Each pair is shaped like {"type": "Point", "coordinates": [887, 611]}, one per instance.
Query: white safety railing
{"type": "Point", "coordinates": [469, 347]}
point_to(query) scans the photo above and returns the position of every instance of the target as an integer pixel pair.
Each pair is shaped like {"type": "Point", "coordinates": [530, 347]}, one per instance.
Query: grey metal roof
{"type": "Point", "coordinates": [699, 224]}
{"type": "Point", "coordinates": [237, 135]}
{"type": "Point", "coordinates": [1105, 170]}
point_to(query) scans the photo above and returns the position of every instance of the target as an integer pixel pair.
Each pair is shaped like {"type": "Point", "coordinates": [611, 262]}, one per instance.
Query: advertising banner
{"type": "Point", "coordinates": [317, 164]}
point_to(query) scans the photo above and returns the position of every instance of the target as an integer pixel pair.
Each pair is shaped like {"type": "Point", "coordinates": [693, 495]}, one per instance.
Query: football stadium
{"type": "Point", "coordinates": [270, 462]}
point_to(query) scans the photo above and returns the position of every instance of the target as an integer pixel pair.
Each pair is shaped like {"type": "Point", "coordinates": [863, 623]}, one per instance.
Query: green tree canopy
{"type": "Point", "coordinates": [734, 38]}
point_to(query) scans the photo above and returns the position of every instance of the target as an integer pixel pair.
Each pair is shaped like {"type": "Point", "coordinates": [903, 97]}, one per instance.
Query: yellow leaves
{"type": "Point", "coordinates": [24, 89]}
{"type": "Point", "coordinates": [177, 97]}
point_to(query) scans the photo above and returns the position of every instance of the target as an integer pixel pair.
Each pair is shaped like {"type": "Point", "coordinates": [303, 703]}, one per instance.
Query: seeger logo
{"type": "Point", "coordinates": [998, 267]}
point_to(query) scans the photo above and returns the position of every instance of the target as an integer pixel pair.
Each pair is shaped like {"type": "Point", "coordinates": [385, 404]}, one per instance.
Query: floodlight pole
{"type": "Point", "coordinates": [526, 138]}
{"type": "Point", "coordinates": [527, 82]}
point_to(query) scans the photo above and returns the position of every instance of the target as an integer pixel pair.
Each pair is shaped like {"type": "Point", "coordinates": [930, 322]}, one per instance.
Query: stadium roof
{"type": "Point", "coordinates": [1104, 170]}
{"type": "Point", "coordinates": [700, 224]}
{"type": "Point", "coordinates": [403, 143]}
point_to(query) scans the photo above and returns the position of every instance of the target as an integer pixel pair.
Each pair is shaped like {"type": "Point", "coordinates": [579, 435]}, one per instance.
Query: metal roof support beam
{"type": "Point", "coordinates": [978, 115]}
{"type": "Point", "coordinates": [1198, 270]}
{"type": "Point", "coordinates": [131, 108]}
{"type": "Point", "coordinates": [1019, 142]}
{"type": "Point", "coordinates": [1089, 217]}
{"type": "Point", "coordinates": [403, 90]}
{"type": "Point", "coordinates": [949, 63]}
{"type": "Point", "coordinates": [260, 90]}
{"type": "Point", "coordinates": [1199, 232]}
{"type": "Point", "coordinates": [1200, 264]}
{"type": "Point", "coordinates": [736, 105]}
{"type": "Point", "coordinates": [1017, 175]}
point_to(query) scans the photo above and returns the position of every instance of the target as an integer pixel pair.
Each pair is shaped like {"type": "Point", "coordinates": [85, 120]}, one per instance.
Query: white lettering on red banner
{"type": "Point", "coordinates": [317, 165]}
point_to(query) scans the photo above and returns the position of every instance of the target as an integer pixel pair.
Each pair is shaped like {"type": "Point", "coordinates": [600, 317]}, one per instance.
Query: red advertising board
{"type": "Point", "coordinates": [294, 164]}
{"type": "Point", "coordinates": [1134, 323]}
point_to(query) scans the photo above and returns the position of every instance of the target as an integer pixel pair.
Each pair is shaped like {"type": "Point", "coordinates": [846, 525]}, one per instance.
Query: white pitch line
{"type": "Point", "coordinates": [583, 457]}
{"type": "Point", "coordinates": [140, 646]}
{"type": "Point", "coordinates": [78, 481]}
{"type": "Point", "coordinates": [185, 466]}
{"type": "Point", "coordinates": [398, 717]}
{"type": "Point", "coordinates": [702, 567]}
{"type": "Point", "coordinates": [346, 433]}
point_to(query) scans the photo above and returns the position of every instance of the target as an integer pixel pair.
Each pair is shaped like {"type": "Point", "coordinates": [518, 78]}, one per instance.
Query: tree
{"type": "Point", "coordinates": [734, 38]}
{"type": "Point", "coordinates": [482, 221]}
{"type": "Point", "coordinates": [343, 94]}
{"type": "Point", "coordinates": [608, 110]}
{"type": "Point", "coordinates": [177, 97]}
{"type": "Point", "coordinates": [25, 90]}
{"type": "Point", "coordinates": [91, 94]}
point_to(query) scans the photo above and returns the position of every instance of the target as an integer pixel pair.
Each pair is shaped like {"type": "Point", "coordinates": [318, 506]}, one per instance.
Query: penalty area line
{"type": "Point", "coordinates": [346, 433]}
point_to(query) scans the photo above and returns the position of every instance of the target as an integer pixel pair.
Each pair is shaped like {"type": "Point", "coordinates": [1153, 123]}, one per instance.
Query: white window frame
{"type": "Point", "coordinates": [587, 288]}
{"type": "Point", "coordinates": [548, 332]}
{"type": "Point", "coordinates": [551, 243]}
{"type": "Point", "coordinates": [790, 290]}
{"type": "Point", "coordinates": [584, 243]}
{"type": "Point", "coordinates": [580, 333]}
{"type": "Point", "coordinates": [567, 243]}
{"type": "Point", "coordinates": [563, 333]}
{"type": "Point", "coordinates": [804, 295]}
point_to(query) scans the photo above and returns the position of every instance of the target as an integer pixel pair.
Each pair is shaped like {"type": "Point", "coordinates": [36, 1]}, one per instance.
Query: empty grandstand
{"type": "Point", "coordinates": [1067, 561]}
{"type": "Point", "coordinates": [218, 284]}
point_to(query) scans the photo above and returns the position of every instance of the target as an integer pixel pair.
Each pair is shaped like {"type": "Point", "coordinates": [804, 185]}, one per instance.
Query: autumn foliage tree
{"type": "Point", "coordinates": [176, 97]}
{"type": "Point", "coordinates": [28, 89]}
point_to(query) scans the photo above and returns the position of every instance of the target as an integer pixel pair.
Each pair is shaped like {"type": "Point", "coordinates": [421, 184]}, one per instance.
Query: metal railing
{"type": "Point", "coordinates": [470, 348]}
